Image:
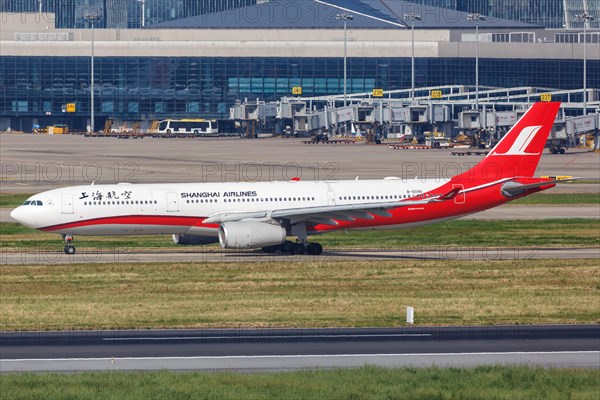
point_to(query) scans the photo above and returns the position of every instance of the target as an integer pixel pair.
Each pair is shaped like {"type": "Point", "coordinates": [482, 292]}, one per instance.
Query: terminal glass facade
{"type": "Point", "coordinates": [156, 88]}
{"type": "Point", "coordinates": [120, 13]}
{"type": "Point", "coordinates": [548, 13]}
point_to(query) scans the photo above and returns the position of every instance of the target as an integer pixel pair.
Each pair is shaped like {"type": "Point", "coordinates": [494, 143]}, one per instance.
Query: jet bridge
{"type": "Point", "coordinates": [253, 116]}
{"type": "Point", "coordinates": [397, 113]}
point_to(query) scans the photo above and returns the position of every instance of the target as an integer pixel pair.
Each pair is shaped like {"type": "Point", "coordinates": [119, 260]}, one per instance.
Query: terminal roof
{"type": "Point", "coordinates": [321, 14]}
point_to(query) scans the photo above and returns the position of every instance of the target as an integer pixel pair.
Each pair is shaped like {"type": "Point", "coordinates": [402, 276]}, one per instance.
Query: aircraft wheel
{"type": "Point", "coordinates": [297, 248]}
{"type": "Point", "coordinates": [288, 247]}
{"type": "Point", "coordinates": [270, 249]}
{"type": "Point", "coordinates": [70, 249]}
{"type": "Point", "coordinates": [314, 249]}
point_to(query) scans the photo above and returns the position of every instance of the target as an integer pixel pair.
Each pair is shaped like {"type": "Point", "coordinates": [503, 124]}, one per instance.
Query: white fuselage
{"type": "Point", "coordinates": [145, 209]}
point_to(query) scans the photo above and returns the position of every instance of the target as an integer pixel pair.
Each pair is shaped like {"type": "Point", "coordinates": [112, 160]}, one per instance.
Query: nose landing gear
{"type": "Point", "coordinates": [69, 247]}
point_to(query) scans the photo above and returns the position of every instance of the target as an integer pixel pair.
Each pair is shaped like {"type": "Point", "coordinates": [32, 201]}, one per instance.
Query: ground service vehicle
{"type": "Point", "coordinates": [188, 126]}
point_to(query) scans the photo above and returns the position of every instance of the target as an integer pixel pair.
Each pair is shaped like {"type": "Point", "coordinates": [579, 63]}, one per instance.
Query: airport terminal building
{"type": "Point", "coordinates": [198, 67]}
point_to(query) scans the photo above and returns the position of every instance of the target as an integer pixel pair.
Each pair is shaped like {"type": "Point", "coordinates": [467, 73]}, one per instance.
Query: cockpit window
{"type": "Point", "coordinates": [33, 203]}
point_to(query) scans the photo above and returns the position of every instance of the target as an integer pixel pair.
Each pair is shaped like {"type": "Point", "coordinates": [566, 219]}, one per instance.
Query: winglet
{"type": "Point", "coordinates": [448, 196]}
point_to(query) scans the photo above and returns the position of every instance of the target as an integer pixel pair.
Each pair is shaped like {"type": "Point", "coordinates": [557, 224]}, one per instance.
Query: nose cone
{"type": "Point", "coordinates": [19, 214]}
{"type": "Point", "coordinates": [16, 214]}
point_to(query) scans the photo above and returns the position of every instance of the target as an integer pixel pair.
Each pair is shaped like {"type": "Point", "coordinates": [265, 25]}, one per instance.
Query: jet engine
{"type": "Point", "coordinates": [187, 240]}
{"type": "Point", "coordinates": [250, 235]}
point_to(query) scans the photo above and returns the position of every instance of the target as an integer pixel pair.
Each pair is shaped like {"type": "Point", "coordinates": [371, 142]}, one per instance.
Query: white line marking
{"type": "Point", "coordinates": [308, 336]}
{"type": "Point", "coordinates": [304, 356]}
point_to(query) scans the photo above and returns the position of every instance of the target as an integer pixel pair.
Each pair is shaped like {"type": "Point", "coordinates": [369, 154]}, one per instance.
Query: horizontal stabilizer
{"type": "Point", "coordinates": [512, 188]}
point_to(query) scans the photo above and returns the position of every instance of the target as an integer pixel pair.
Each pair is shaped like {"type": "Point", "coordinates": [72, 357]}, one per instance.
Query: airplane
{"type": "Point", "coordinates": [264, 215]}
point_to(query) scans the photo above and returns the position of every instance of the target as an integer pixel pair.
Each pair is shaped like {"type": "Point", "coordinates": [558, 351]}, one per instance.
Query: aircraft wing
{"type": "Point", "coordinates": [327, 215]}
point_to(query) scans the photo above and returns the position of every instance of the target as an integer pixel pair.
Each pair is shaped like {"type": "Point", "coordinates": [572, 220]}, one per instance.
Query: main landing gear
{"type": "Point", "coordinates": [69, 247]}
{"type": "Point", "coordinates": [302, 247]}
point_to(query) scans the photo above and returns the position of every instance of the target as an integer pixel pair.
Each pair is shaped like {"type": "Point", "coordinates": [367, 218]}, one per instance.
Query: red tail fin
{"type": "Point", "coordinates": [519, 151]}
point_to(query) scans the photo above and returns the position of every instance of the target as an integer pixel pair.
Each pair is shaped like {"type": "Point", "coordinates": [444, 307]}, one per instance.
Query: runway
{"type": "Point", "coordinates": [17, 257]}
{"type": "Point", "coordinates": [283, 349]}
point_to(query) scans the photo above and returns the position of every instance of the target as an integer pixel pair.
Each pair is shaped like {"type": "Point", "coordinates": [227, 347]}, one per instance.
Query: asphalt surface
{"type": "Point", "coordinates": [281, 349]}
{"type": "Point", "coordinates": [27, 257]}
{"type": "Point", "coordinates": [33, 163]}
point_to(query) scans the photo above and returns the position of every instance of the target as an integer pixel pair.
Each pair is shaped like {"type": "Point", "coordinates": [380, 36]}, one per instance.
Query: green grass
{"type": "Point", "coordinates": [12, 200]}
{"type": "Point", "coordinates": [552, 232]}
{"type": "Point", "coordinates": [559, 199]}
{"type": "Point", "coordinates": [474, 233]}
{"type": "Point", "coordinates": [494, 383]}
{"type": "Point", "coordinates": [298, 294]}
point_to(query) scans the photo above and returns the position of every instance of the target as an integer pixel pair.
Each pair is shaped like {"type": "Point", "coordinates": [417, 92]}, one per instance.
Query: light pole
{"type": "Point", "coordinates": [476, 18]}
{"type": "Point", "coordinates": [412, 17]}
{"type": "Point", "coordinates": [585, 17]}
{"type": "Point", "coordinates": [345, 17]}
{"type": "Point", "coordinates": [92, 18]}
{"type": "Point", "coordinates": [143, 11]}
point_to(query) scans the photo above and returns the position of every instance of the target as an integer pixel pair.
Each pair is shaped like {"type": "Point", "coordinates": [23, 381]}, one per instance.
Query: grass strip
{"type": "Point", "coordinates": [458, 233]}
{"type": "Point", "coordinates": [559, 199]}
{"type": "Point", "coordinates": [298, 294]}
{"type": "Point", "coordinates": [496, 382]}
{"type": "Point", "coordinates": [12, 200]}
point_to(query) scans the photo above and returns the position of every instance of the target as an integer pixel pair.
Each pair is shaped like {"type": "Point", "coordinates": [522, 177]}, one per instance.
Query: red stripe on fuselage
{"type": "Point", "coordinates": [166, 220]}
{"type": "Point", "coordinates": [470, 202]}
